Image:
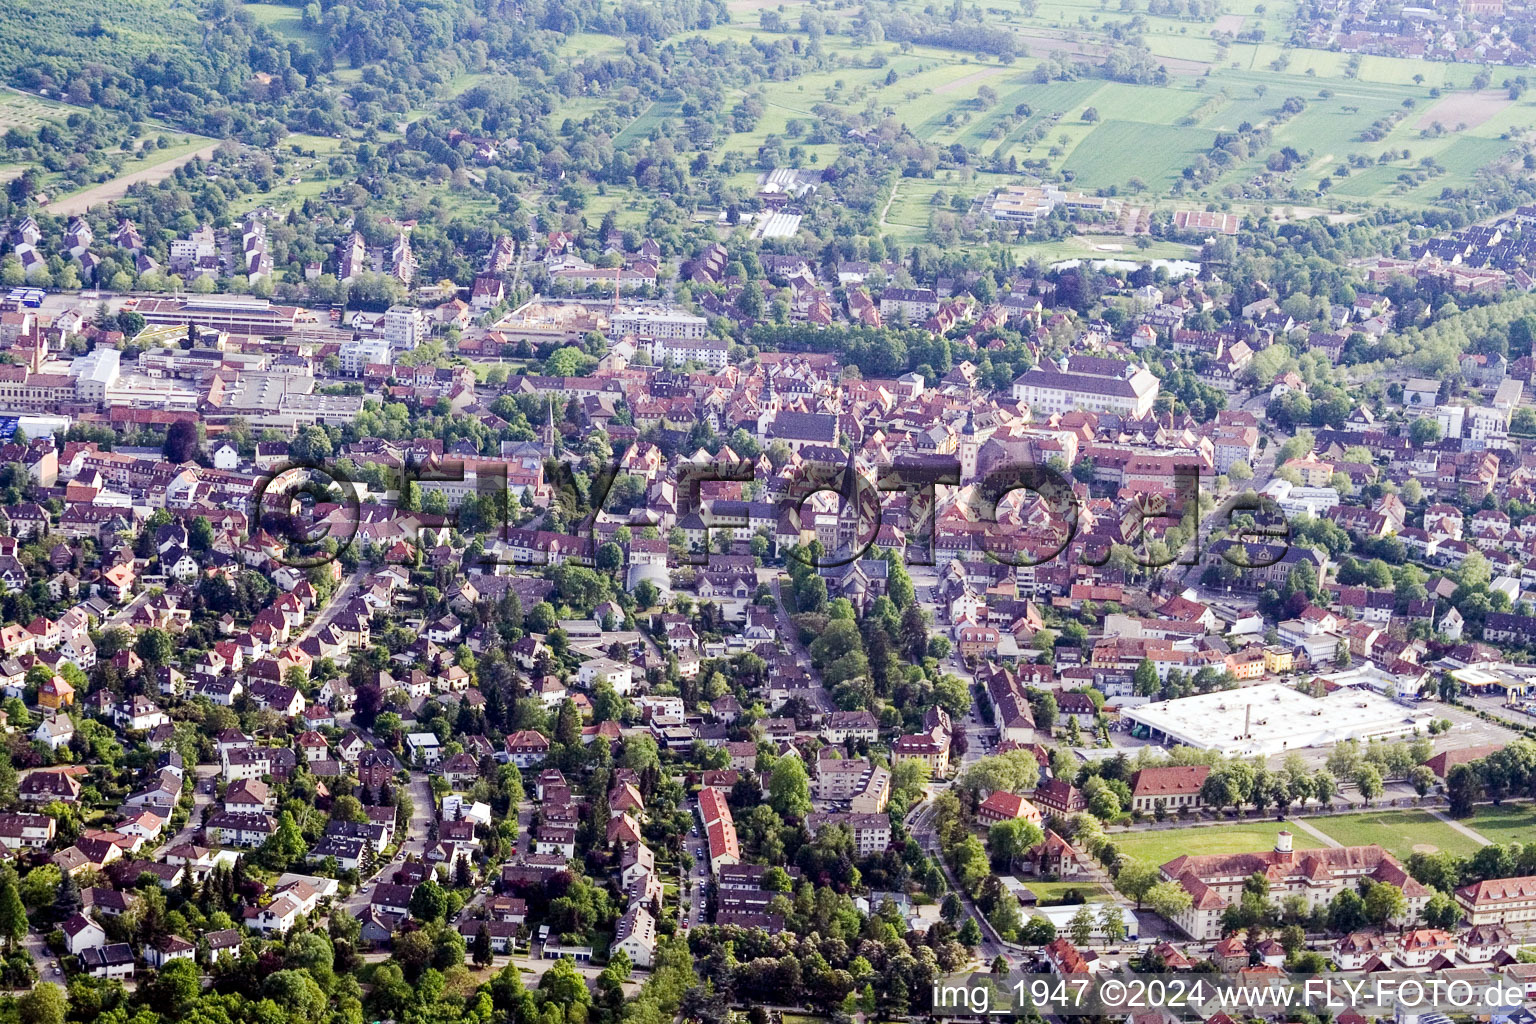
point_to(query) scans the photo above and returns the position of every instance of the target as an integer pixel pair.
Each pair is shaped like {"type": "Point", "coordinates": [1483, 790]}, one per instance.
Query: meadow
{"type": "Point", "coordinates": [287, 23]}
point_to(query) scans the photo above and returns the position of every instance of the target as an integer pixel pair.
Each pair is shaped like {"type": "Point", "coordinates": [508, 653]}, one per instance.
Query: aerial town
{"type": "Point", "coordinates": [743, 515]}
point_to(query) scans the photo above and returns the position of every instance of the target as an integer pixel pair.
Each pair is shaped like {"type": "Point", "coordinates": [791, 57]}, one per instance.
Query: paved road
{"type": "Point", "coordinates": [349, 585]}
{"type": "Point", "coordinates": [423, 810]}
{"type": "Point", "coordinates": [693, 908]}
{"type": "Point", "coordinates": [789, 636]}
{"type": "Point", "coordinates": [920, 824]}
{"type": "Point", "coordinates": [202, 796]}
{"type": "Point", "coordinates": [123, 614]}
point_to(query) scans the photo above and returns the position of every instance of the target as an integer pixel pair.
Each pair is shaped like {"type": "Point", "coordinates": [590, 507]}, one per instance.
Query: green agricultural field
{"type": "Point", "coordinates": [1159, 847]}
{"type": "Point", "coordinates": [1398, 832]}
{"type": "Point", "coordinates": [1144, 132]}
{"type": "Point", "coordinates": [643, 125]}
{"type": "Point", "coordinates": [1117, 151]}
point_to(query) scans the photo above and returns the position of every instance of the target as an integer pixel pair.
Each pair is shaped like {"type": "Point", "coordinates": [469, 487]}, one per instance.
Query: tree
{"type": "Point", "coordinates": [285, 846]}
{"type": "Point", "coordinates": [176, 988]}
{"type": "Point", "coordinates": [951, 908]}
{"type": "Point", "coordinates": [789, 791]}
{"type": "Point", "coordinates": [1015, 771]}
{"type": "Point", "coordinates": [1323, 786]}
{"type": "Point", "coordinates": [1112, 922]}
{"type": "Point", "coordinates": [44, 1004]}
{"type": "Point", "coordinates": [563, 986]}
{"type": "Point", "coordinates": [482, 945]}
{"type": "Point", "coordinates": [1424, 431]}
{"type": "Point", "coordinates": [1368, 779]}
{"type": "Point", "coordinates": [181, 442]}
{"type": "Point", "coordinates": [67, 901]}
{"type": "Point", "coordinates": [1169, 899]}
{"type": "Point", "coordinates": [8, 781]}
{"type": "Point", "coordinates": [1007, 841]}
{"type": "Point", "coordinates": [1464, 788]}
{"type": "Point", "coordinates": [1346, 911]}
{"type": "Point", "coordinates": [1423, 778]}
{"type": "Point", "coordinates": [13, 913]}
{"type": "Point", "coordinates": [1441, 911]}
{"type": "Point", "coordinates": [1136, 879]}
{"type": "Point", "coordinates": [429, 902]}
{"type": "Point", "coordinates": [1005, 917]}
{"type": "Point", "coordinates": [310, 445]}
{"type": "Point", "coordinates": [969, 934]}
{"type": "Point", "coordinates": [155, 647]}
{"type": "Point", "coordinates": [1384, 902]}
{"type": "Point", "coordinates": [1147, 682]}
{"type": "Point", "coordinates": [1081, 926]}
{"type": "Point", "coordinates": [1037, 931]}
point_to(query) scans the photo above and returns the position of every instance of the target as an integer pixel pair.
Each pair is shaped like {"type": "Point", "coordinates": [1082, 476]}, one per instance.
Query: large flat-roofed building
{"type": "Point", "coordinates": [1206, 220]}
{"type": "Point", "coordinates": [285, 401]}
{"type": "Point", "coordinates": [1030, 204]}
{"type": "Point", "coordinates": [709, 352]}
{"type": "Point", "coordinates": [95, 372]}
{"type": "Point", "coordinates": [1272, 718]}
{"type": "Point", "coordinates": [225, 313]}
{"type": "Point", "coordinates": [656, 323]}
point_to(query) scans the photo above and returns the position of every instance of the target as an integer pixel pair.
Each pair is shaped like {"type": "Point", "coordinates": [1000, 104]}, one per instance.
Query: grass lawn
{"type": "Point", "coordinates": [1399, 832]}
{"type": "Point", "coordinates": [1236, 837]}
{"type": "Point", "coordinates": [1505, 823]}
{"type": "Point", "coordinates": [1053, 893]}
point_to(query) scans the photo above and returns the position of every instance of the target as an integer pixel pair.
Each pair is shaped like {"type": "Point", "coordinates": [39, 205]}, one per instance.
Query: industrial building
{"type": "Point", "coordinates": [1272, 718]}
